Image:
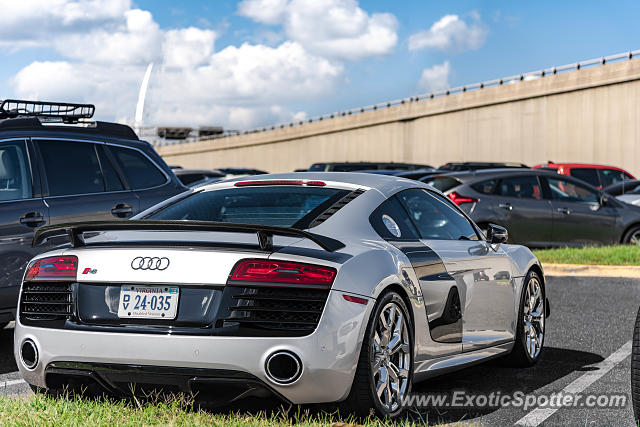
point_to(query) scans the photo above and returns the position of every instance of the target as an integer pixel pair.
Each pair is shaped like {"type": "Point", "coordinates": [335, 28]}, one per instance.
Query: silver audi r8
{"type": "Point", "coordinates": [313, 287]}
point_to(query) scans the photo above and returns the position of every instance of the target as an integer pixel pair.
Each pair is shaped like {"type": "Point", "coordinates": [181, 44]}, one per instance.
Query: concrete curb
{"type": "Point", "coordinates": [580, 270]}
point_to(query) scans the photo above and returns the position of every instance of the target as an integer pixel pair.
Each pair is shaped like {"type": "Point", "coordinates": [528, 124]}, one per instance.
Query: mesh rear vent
{"type": "Point", "coordinates": [45, 301]}
{"type": "Point", "coordinates": [335, 207]}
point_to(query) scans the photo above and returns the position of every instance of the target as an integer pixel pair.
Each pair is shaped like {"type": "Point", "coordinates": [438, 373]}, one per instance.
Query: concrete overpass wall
{"type": "Point", "coordinates": [586, 115]}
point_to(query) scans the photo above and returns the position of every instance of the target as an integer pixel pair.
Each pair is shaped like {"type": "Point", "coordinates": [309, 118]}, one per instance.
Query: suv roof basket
{"type": "Point", "coordinates": [54, 111]}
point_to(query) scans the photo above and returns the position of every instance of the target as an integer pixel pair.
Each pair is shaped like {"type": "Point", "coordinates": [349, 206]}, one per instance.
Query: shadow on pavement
{"type": "Point", "coordinates": [490, 378]}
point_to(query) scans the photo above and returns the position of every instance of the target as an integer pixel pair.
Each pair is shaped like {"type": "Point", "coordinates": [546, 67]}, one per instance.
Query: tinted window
{"type": "Point", "coordinates": [71, 168]}
{"type": "Point", "coordinates": [571, 192]}
{"type": "Point", "coordinates": [610, 176]}
{"type": "Point", "coordinates": [521, 187]}
{"type": "Point", "coordinates": [111, 179]}
{"type": "Point", "coordinates": [317, 167]}
{"type": "Point", "coordinates": [15, 176]}
{"type": "Point", "coordinates": [138, 170]}
{"type": "Point", "coordinates": [436, 218]}
{"type": "Point", "coordinates": [587, 175]}
{"type": "Point", "coordinates": [189, 178]}
{"type": "Point", "coordinates": [347, 167]}
{"type": "Point", "coordinates": [485, 187]}
{"type": "Point", "coordinates": [278, 205]}
{"type": "Point", "coordinates": [442, 183]}
{"type": "Point", "coordinates": [391, 222]}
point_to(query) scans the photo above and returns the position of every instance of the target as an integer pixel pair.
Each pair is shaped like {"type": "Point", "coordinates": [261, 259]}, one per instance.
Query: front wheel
{"type": "Point", "coordinates": [632, 237]}
{"type": "Point", "coordinates": [385, 367]}
{"type": "Point", "coordinates": [531, 323]}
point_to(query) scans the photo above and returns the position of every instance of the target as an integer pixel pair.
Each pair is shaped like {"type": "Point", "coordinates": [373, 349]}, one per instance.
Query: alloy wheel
{"type": "Point", "coordinates": [533, 317]}
{"type": "Point", "coordinates": [391, 357]}
{"type": "Point", "coordinates": [635, 238]}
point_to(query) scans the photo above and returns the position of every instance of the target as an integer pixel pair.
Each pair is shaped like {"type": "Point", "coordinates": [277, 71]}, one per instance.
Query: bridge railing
{"type": "Point", "coordinates": [431, 95]}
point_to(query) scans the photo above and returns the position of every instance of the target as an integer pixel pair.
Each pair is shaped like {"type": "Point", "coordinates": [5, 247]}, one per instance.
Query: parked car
{"type": "Point", "coordinates": [599, 176]}
{"type": "Point", "coordinates": [56, 170]}
{"type": "Point", "coordinates": [237, 172]}
{"type": "Point", "coordinates": [190, 176]}
{"type": "Point", "coordinates": [472, 166]}
{"type": "Point", "coordinates": [416, 174]}
{"type": "Point", "coordinates": [625, 191]}
{"type": "Point", "coordinates": [542, 208]}
{"type": "Point", "coordinates": [362, 166]}
{"type": "Point", "coordinates": [313, 287]}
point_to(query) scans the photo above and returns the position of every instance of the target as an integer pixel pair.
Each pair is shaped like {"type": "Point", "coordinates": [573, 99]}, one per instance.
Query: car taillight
{"type": "Point", "coordinates": [282, 272]}
{"type": "Point", "coordinates": [458, 199]}
{"type": "Point", "coordinates": [53, 268]}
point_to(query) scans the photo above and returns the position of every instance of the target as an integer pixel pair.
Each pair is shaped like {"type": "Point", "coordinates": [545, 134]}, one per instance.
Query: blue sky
{"type": "Point", "coordinates": [258, 62]}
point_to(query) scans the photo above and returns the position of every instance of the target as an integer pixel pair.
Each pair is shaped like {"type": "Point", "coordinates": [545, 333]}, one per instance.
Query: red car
{"type": "Point", "coordinates": [597, 175]}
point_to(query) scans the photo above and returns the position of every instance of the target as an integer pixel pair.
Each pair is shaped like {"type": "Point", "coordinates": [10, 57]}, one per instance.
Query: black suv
{"type": "Point", "coordinates": [56, 166]}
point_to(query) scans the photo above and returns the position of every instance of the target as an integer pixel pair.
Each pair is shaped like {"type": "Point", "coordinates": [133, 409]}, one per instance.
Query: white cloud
{"type": "Point", "coordinates": [451, 34]}
{"type": "Point", "coordinates": [37, 22]}
{"type": "Point", "coordinates": [270, 12]}
{"type": "Point", "coordinates": [337, 29]}
{"type": "Point", "coordinates": [435, 78]}
{"type": "Point", "coordinates": [188, 47]}
{"type": "Point", "coordinates": [105, 56]}
{"type": "Point", "coordinates": [136, 41]}
{"type": "Point", "coordinates": [239, 87]}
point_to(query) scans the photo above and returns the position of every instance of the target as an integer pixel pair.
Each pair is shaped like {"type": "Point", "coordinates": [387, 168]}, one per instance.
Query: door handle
{"type": "Point", "coordinates": [565, 211]}
{"type": "Point", "coordinates": [32, 219]}
{"type": "Point", "coordinates": [506, 206]}
{"type": "Point", "coordinates": [121, 210]}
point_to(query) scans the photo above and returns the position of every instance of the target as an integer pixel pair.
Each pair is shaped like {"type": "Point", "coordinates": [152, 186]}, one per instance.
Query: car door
{"type": "Point", "coordinates": [578, 216]}
{"type": "Point", "coordinates": [81, 183]}
{"type": "Point", "coordinates": [529, 216]}
{"type": "Point", "coordinates": [438, 288]}
{"type": "Point", "coordinates": [22, 210]}
{"type": "Point", "coordinates": [482, 273]}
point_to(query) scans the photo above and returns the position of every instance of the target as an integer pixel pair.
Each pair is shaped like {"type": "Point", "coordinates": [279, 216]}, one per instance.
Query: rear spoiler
{"type": "Point", "coordinates": [264, 233]}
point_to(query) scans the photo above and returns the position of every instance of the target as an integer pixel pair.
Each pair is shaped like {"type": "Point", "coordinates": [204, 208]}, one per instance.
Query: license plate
{"type": "Point", "coordinates": [148, 302]}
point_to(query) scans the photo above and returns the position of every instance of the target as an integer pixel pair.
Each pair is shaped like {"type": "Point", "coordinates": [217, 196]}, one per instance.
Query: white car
{"type": "Point", "coordinates": [313, 287]}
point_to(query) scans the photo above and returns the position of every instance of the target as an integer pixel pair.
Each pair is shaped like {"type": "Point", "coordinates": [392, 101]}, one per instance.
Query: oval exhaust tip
{"type": "Point", "coordinates": [283, 367]}
{"type": "Point", "coordinates": [29, 354]}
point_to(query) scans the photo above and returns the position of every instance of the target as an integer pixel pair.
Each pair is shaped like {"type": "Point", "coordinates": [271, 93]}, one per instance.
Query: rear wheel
{"type": "Point", "coordinates": [635, 369]}
{"type": "Point", "coordinates": [531, 323]}
{"type": "Point", "coordinates": [385, 367]}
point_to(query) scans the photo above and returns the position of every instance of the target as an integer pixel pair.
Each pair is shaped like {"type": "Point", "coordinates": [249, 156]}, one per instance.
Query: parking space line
{"type": "Point", "coordinates": [539, 415]}
{"type": "Point", "coordinates": [12, 382]}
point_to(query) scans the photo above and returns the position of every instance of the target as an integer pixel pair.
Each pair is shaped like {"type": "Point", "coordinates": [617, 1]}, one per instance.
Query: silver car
{"type": "Point", "coordinates": [313, 287]}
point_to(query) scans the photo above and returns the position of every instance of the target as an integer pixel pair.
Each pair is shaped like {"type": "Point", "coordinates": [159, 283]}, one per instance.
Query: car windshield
{"type": "Point", "coordinates": [283, 206]}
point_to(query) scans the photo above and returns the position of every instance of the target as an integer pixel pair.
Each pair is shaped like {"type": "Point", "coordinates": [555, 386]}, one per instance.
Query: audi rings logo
{"type": "Point", "coordinates": [150, 263]}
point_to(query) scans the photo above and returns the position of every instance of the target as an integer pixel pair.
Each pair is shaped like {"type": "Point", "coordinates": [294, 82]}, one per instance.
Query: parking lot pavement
{"type": "Point", "coordinates": [591, 322]}
{"type": "Point", "coordinates": [591, 318]}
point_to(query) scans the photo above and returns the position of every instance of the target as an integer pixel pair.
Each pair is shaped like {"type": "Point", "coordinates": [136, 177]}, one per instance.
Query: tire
{"type": "Point", "coordinates": [527, 347]}
{"type": "Point", "coordinates": [363, 398]}
{"type": "Point", "coordinates": [632, 237]}
{"type": "Point", "coordinates": [635, 370]}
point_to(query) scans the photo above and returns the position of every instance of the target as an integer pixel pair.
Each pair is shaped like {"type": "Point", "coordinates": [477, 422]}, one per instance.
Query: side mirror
{"type": "Point", "coordinates": [604, 199]}
{"type": "Point", "coordinates": [497, 234]}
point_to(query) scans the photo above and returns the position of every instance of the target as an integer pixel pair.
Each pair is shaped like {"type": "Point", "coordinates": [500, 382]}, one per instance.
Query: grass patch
{"type": "Point", "coordinates": [603, 255]}
{"type": "Point", "coordinates": [43, 410]}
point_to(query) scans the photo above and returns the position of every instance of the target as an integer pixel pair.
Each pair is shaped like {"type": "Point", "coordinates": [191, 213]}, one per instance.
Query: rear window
{"type": "Point", "coordinates": [443, 183]}
{"type": "Point", "coordinates": [138, 170]}
{"type": "Point", "coordinates": [283, 206]}
{"type": "Point", "coordinates": [611, 176]}
{"type": "Point", "coordinates": [485, 187]}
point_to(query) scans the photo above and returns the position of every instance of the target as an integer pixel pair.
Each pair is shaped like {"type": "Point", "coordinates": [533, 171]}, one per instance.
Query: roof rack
{"type": "Point", "coordinates": [53, 111]}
